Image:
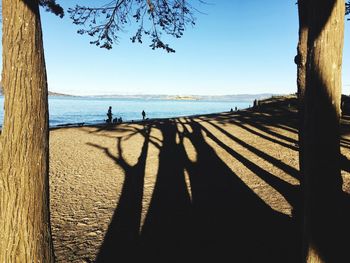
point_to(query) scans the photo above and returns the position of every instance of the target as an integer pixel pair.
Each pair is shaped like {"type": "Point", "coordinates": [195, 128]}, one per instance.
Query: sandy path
{"type": "Point", "coordinates": [187, 189]}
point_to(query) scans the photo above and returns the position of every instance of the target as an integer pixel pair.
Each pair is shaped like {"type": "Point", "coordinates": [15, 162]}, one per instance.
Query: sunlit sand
{"type": "Point", "coordinates": [184, 189]}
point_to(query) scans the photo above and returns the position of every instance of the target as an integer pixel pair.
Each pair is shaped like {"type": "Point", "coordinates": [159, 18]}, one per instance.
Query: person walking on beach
{"type": "Point", "coordinates": [143, 114]}
{"type": "Point", "coordinates": [109, 115]}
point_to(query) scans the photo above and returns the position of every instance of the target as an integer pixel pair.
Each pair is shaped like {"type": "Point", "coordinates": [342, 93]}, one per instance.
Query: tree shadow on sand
{"type": "Point", "coordinates": [220, 219]}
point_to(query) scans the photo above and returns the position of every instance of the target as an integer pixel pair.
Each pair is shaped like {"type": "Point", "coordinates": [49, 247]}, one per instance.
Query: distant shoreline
{"type": "Point", "coordinates": [269, 100]}
{"type": "Point", "coordinates": [234, 97]}
{"type": "Point", "coordinates": [101, 122]}
{"type": "Point", "coordinates": [138, 121]}
{"type": "Point", "coordinates": [50, 94]}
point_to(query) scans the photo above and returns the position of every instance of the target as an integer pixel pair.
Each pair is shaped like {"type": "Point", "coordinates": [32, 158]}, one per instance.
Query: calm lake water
{"type": "Point", "coordinates": [64, 110]}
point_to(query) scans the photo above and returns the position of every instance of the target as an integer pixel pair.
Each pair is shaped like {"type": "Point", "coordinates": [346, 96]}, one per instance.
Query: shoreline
{"type": "Point", "coordinates": [261, 102]}
{"type": "Point", "coordinates": [269, 100]}
{"type": "Point", "coordinates": [139, 121]}
{"type": "Point", "coordinates": [60, 119]}
{"type": "Point", "coordinates": [103, 123]}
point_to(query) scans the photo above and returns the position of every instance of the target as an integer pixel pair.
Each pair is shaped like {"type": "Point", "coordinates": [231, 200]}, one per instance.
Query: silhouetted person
{"type": "Point", "coordinates": [235, 108]}
{"type": "Point", "coordinates": [109, 115]}
{"type": "Point", "coordinates": [143, 114]}
{"type": "Point", "coordinates": [231, 110]}
{"type": "Point", "coordinates": [256, 104]}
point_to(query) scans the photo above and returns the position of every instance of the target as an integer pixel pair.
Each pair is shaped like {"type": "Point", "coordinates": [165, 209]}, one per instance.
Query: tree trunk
{"type": "Point", "coordinates": [300, 60]}
{"type": "Point", "coordinates": [24, 190]}
{"type": "Point", "coordinates": [323, 183]}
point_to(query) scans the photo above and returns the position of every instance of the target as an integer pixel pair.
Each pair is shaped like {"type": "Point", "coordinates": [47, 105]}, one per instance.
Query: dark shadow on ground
{"type": "Point", "coordinates": [221, 220]}
{"type": "Point", "coordinates": [123, 230]}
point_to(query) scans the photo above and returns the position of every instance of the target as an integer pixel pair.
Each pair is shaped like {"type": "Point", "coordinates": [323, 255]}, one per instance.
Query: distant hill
{"type": "Point", "coordinates": [237, 97]}
{"type": "Point", "coordinates": [50, 93]}
{"type": "Point", "coordinates": [59, 94]}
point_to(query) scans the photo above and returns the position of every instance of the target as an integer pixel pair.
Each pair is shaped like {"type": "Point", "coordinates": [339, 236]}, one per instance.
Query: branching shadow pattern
{"type": "Point", "coordinates": [221, 219]}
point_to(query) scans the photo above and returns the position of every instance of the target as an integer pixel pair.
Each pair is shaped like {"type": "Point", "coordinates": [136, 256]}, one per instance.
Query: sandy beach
{"type": "Point", "coordinates": [213, 188]}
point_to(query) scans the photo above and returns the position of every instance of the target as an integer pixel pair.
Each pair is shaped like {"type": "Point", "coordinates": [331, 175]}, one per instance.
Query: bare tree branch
{"type": "Point", "coordinates": [153, 17]}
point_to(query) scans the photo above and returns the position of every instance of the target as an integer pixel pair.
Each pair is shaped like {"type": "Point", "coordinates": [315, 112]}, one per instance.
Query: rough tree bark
{"type": "Point", "coordinates": [24, 193]}
{"type": "Point", "coordinates": [323, 183]}
{"type": "Point", "coordinates": [300, 60]}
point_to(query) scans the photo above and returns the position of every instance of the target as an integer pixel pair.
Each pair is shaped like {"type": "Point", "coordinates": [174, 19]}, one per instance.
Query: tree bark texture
{"type": "Point", "coordinates": [323, 183]}
{"type": "Point", "coordinates": [302, 49]}
{"type": "Point", "coordinates": [24, 190]}
{"type": "Point", "coordinates": [300, 60]}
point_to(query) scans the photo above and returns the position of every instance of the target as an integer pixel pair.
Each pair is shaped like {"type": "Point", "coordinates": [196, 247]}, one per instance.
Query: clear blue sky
{"type": "Point", "coordinates": [236, 47]}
